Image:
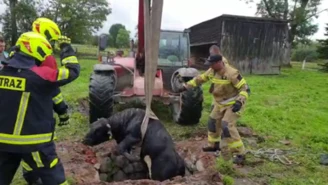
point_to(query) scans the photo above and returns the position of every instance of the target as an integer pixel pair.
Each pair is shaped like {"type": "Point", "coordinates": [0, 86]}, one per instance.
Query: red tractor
{"type": "Point", "coordinates": [120, 79]}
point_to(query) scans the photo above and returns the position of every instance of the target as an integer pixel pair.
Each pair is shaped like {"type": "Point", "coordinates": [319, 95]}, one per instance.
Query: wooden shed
{"type": "Point", "coordinates": [251, 44]}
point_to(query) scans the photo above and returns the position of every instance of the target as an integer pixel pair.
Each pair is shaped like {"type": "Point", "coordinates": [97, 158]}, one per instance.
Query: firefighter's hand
{"type": "Point", "coordinates": [63, 119]}
{"type": "Point", "coordinates": [237, 106]}
{"type": "Point", "coordinates": [63, 41]}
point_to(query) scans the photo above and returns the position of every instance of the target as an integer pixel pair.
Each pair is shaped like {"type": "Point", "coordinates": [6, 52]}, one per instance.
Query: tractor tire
{"type": "Point", "coordinates": [101, 91]}
{"type": "Point", "coordinates": [189, 110]}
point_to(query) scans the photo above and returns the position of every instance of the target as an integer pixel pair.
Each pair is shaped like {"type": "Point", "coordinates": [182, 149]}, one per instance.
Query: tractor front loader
{"type": "Point", "coordinates": [121, 79]}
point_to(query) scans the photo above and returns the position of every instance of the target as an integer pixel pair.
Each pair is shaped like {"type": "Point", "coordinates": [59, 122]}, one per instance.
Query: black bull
{"type": "Point", "coordinates": [157, 149]}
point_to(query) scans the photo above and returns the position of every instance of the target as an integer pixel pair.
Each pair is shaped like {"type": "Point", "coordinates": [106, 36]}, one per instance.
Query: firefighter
{"type": "Point", "coordinates": [51, 32]}
{"type": "Point", "coordinates": [215, 50]}
{"type": "Point", "coordinates": [230, 94]}
{"type": "Point", "coordinates": [27, 130]}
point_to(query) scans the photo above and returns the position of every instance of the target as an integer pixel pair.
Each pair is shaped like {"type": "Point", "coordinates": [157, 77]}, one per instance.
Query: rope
{"type": "Point", "coordinates": [152, 25]}
{"type": "Point", "coordinates": [272, 154]}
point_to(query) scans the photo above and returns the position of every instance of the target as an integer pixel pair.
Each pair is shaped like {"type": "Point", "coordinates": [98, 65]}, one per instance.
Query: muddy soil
{"type": "Point", "coordinates": [81, 163]}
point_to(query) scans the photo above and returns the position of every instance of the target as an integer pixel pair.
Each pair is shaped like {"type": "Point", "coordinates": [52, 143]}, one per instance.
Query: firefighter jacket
{"type": "Point", "coordinates": [59, 105]}
{"type": "Point", "coordinates": [228, 85]}
{"type": "Point", "coordinates": [225, 61]}
{"type": "Point", "coordinates": [26, 92]}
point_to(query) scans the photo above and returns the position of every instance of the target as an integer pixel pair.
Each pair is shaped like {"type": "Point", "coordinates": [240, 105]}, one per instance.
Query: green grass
{"type": "Point", "coordinates": [92, 50]}
{"type": "Point", "coordinates": [287, 106]}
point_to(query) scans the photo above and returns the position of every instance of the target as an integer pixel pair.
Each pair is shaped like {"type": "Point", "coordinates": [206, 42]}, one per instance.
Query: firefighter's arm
{"type": "Point", "coordinates": [199, 80]}
{"type": "Point", "coordinates": [59, 105]}
{"type": "Point", "coordinates": [67, 73]}
{"type": "Point", "coordinates": [240, 83]}
{"type": "Point", "coordinates": [70, 69]}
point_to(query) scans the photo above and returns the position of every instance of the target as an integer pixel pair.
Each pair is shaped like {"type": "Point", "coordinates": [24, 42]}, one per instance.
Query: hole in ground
{"type": "Point", "coordinates": [119, 168]}
{"type": "Point", "coordinates": [115, 168]}
{"type": "Point", "coordinates": [82, 163]}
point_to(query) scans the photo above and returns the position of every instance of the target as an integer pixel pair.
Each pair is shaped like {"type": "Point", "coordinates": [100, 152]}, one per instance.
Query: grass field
{"type": "Point", "coordinates": [90, 50]}
{"type": "Point", "coordinates": [290, 106]}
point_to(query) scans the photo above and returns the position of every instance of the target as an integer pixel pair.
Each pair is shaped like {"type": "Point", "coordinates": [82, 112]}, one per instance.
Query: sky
{"type": "Point", "coordinates": [181, 14]}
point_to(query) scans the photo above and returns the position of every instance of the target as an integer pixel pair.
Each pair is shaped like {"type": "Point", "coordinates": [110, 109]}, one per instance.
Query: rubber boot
{"type": "Point", "coordinates": [214, 148]}
{"type": "Point", "coordinates": [239, 159]}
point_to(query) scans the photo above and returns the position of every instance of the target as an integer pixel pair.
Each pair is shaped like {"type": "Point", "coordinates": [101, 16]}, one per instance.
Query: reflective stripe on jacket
{"type": "Point", "coordinates": [26, 94]}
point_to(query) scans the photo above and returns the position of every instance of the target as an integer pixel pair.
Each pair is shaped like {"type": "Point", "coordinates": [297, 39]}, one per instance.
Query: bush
{"type": "Point", "coordinates": [323, 66]}
{"type": "Point", "coordinates": [300, 54]}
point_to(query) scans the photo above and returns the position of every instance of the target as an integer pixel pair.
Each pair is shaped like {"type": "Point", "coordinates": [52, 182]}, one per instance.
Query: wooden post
{"type": "Point", "coordinates": [303, 65]}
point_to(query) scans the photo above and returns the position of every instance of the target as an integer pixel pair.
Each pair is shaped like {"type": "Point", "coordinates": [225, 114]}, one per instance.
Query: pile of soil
{"type": "Point", "coordinates": [83, 165]}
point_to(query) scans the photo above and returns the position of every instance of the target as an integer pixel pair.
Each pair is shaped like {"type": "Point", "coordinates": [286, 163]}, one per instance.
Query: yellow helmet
{"type": "Point", "coordinates": [47, 28]}
{"type": "Point", "coordinates": [34, 45]}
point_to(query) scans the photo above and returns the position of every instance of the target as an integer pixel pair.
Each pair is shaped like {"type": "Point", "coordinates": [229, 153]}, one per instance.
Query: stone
{"type": "Point", "coordinates": [193, 158]}
{"type": "Point", "coordinates": [187, 172]}
{"type": "Point", "coordinates": [251, 142]}
{"type": "Point", "coordinates": [112, 171]}
{"type": "Point", "coordinates": [190, 166]}
{"type": "Point", "coordinates": [285, 142]}
{"type": "Point", "coordinates": [139, 167]}
{"type": "Point", "coordinates": [137, 176]}
{"type": "Point", "coordinates": [97, 166]}
{"type": "Point", "coordinates": [120, 161]}
{"type": "Point", "coordinates": [112, 156]}
{"type": "Point", "coordinates": [128, 169]}
{"type": "Point", "coordinates": [324, 159]}
{"type": "Point", "coordinates": [103, 177]}
{"type": "Point", "coordinates": [200, 166]}
{"type": "Point", "coordinates": [119, 176]}
{"type": "Point", "coordinates": [245, 131]}
{"type": "Point", "coordinates": [103, 168]}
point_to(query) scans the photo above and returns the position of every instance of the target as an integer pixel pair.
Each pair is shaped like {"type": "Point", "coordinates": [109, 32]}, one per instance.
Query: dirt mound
{"type": "Point", "coordinates": [82, 163]}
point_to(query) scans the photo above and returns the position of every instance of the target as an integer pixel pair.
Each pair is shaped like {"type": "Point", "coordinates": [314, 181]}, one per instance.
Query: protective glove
{"type": "Point", "coordinates": [248, 89]}
{"type": "Point", "coordinates": [63, 41]}
{"type": "Point", "coordinates": [237, 106]}
{"type": "Point", "coordinates": [63, 119]}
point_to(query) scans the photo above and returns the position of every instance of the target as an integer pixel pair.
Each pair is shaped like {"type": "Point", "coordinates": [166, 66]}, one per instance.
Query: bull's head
{"type": "Point", "coordinates": [100, 131]}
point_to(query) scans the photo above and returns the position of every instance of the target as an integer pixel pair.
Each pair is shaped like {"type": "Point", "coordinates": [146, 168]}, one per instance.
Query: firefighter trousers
{"type": "Point", "coordinates": [44, 163]}
{"type": "Point", "coordinates": [222, 129]}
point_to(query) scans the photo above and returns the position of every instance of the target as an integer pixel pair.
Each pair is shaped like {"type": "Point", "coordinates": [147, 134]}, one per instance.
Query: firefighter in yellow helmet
{"type": "Point", "coordinates": [27, 131]}
{"type": "Point", "coordinates": [50, 30]}
{"type": "Point", "coordinates": [230, 95]}
{"type": "Point", "coordinates": [47, 28]}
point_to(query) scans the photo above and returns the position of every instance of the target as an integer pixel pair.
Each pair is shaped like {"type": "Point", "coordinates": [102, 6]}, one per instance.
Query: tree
{"type": "Point", "coordinates": [113, 32]}
{"type": "Point", "coordinates": [323, 47]}
{"type": "Point", "coordinates": [136, 36]}
{"type": "Point", "coordinates": [95, 40]}
{"type": "Point", "coordinates": [123, 38]}
{"type": "Point", "coordinates": [298, 14]}
{"type": "Point", "coordinates": [78, 19]}
{"type": "Point", "coordinates": [24, 13]}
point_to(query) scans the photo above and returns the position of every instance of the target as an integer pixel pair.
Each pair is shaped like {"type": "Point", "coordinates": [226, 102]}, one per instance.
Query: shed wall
{"type": "Point", "coordinates": [252, 45]}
